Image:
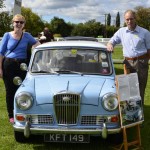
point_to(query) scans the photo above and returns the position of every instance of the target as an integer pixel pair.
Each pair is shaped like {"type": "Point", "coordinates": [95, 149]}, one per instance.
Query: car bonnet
{"type": "Point", "coordinates": [88, 87]}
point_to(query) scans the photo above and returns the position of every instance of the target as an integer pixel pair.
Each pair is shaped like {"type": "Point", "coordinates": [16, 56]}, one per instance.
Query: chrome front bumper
{"type": "Point", "coordinates": [103, 132]}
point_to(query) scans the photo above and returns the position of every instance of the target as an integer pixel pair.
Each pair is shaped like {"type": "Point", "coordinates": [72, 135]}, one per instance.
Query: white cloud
{"type": "Point", "coordinates": [77, 11]}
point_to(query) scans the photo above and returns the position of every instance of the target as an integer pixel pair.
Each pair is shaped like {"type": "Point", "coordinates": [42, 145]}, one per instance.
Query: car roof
{"type": "Point", "coordinates": [80, 38]}
{"type": "Point", "coordinates": [90, 44]}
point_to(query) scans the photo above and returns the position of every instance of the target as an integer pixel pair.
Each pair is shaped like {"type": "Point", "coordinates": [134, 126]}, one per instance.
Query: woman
{"type": "Point", "coordinates": [14, 48]}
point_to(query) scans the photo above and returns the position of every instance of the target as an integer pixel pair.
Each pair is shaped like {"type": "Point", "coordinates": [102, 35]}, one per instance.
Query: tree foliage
{"type": "Point", "coordinates": [90, 28]}
{"type": "Point", "coordinates": [5, 22]}
{"type": "Point", "coordinates": [34, 23]}
{"type": "Point", "coordinates": [59, 26]}
{"type": "Point", "coordinates": [108, 19]}
{"type": "Point", "coordinates": [2, 5]}
{"type": "Point", "coordinates": [143, 17]}
{"type": "Point", "coordinates": [118, 20]}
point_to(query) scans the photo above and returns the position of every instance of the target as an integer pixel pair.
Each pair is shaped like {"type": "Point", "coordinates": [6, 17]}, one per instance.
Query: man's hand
{"type": "Point", "coordinates": [110, 47]}
{"type": "Point", "coordinates": [148, 52]}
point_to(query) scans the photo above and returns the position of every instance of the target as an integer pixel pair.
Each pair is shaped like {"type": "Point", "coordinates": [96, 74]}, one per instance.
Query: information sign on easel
{"type": "Point", "coordinates": [131, 108]}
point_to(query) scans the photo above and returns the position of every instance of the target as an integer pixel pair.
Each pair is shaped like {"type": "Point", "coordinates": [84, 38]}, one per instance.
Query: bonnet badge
{"type": "Point", "coordinates": [66, 99]}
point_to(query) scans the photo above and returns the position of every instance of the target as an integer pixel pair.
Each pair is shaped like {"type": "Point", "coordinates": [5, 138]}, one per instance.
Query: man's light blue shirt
{"type": "Point", "coordinates": [135, 43]}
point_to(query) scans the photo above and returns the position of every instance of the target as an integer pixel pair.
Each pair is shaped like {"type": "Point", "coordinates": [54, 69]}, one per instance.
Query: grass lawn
{"type": "Point", "coordinates": [7, 141]}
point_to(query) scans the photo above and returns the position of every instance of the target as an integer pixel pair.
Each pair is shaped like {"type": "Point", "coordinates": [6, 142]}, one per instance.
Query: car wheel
{"type": "Point", "coordinates": [19, 137]}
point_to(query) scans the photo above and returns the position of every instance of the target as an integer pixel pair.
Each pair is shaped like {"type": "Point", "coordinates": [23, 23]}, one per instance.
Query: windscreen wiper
{"type": "Point", "coordinates": [69, 71]}
{"type": "Point", "coordinates": [43, 71]}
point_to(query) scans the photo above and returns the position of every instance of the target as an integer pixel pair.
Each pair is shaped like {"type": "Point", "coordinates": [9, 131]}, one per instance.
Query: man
{"type": "Point", "coordinates": [48, 35]}
{"type": "Point", "coordinates": [45, 36]}
{"type": "Point", "coordinates": [136, 48]}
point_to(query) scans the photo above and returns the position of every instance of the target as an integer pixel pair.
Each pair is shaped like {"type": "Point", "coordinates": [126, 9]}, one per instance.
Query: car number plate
{"type": "Point", "coordinates": [71, 138]}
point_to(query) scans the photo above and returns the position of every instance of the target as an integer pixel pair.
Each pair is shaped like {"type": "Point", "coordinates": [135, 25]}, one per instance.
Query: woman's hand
{"type": "Point", "coordinates": [1, 73]}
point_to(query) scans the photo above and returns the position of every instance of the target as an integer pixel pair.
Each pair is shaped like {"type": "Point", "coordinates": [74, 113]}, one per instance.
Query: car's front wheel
{"type": "Point", "coordinates": [19, 137]}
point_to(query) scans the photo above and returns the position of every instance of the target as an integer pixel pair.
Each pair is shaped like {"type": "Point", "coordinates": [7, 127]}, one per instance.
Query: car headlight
{"type": "Point", "coordinates": [110, 101]}
{"type": "Point", "coordinates": [24, 100]}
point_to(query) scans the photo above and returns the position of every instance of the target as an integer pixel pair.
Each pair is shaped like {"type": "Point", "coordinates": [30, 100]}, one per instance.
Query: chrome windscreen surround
{"type": "Point", "coordinates": [67, 107]}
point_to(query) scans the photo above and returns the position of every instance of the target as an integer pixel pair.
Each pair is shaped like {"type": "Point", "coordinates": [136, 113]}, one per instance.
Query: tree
{"type": "Point", "coordinates": [5, 22]}
{"type": "Point", "coordinates": [78, 30]}
{"type": "Point", "coordinates": [93, 28]}
{"type": "Point", "coordinates": [111, 30]}
{"type": "Point", "coordinates": [90, 28]}
{"type": "Point", "coordinates": [59, 26]}
{"type": "Point", "coordinates": [34, 23]}
{"type": "Point", "coordinates": [143, 17]}
{"type": "Point", "coordinates": [108, 19]}
{"type": "Point", "coordinates": [118, 20]}
{"type": "Point", "coordinates": [2, 5]}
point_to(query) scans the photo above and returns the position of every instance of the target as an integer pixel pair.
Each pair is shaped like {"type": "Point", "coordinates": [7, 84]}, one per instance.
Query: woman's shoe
{"type": "Point", "coordinates": [11, 120]}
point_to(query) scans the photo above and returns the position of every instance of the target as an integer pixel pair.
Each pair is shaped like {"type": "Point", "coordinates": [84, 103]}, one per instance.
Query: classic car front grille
{"type": "Point", "coordinates": [41, 119]}
{"type": "Point", "coordinates": [92, 120]}
{"type": "Point", "coordinates": [67, 108]}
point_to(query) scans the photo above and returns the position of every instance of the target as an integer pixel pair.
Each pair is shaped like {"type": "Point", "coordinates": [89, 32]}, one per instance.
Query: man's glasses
{"type": "Point", "coordinates": [130, 19]}
{"type": "Point", "coordinates": [21, 22]}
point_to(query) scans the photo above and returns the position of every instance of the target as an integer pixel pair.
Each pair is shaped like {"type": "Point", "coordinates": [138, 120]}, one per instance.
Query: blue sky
{"type": "Point", "coordinates": [79, 11]}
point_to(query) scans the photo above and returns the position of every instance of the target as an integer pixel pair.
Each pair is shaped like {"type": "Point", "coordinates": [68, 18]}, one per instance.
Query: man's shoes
{"type": "Point", "coordinates": [11, 120]}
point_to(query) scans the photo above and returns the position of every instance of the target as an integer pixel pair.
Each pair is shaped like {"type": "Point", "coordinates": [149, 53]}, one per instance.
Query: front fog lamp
{"type": "Point", "coordinates": [24, 100]}
{"type": "Point", "coordinates": [17, 80]}
{"type": "Point", "coordinates": [110, 101]}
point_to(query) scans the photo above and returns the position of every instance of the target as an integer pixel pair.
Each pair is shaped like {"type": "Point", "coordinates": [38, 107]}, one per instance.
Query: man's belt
{"type": "Point", "coordinates": [138, 57]}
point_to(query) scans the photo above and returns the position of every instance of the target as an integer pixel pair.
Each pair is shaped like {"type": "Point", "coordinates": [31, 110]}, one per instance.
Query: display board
{"type": "Point", "coordinates": [130, 104]}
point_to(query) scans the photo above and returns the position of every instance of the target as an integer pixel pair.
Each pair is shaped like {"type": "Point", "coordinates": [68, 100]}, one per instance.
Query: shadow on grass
{"type": "Point", "coordinates": [96, 143]}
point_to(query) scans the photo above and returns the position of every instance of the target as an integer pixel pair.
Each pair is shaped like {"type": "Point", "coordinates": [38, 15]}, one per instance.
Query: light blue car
{"type": "Point", "coordinates": [68, 95]}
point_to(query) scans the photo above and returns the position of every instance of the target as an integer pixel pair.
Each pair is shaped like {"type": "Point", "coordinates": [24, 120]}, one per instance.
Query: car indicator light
{"type": "Point", "coordinates": [114, 119]}
{"type": "Point", "coordinates": [20, 118]}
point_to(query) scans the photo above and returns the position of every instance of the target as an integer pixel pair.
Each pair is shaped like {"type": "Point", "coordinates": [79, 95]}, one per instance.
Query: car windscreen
{"type": "Point", "coordinates": [72, 60]}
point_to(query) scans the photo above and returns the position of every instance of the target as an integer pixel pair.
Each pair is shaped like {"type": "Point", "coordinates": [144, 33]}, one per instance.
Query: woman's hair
{"type": "Point", "coordinates": [19, 16]}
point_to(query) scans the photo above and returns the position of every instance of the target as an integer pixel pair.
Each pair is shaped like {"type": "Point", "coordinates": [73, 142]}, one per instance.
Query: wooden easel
{"type": "Point", "coordinates": [135, 143]}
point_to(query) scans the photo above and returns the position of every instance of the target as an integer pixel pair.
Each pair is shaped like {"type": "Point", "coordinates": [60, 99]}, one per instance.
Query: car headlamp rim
{"type": "Point", "coordinates": [24, 100]}
{"type": "Point", "coordinates": [110, 101]}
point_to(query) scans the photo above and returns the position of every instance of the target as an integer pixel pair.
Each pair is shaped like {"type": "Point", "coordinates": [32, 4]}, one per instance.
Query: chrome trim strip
{"type": "Point", "coordinates": [69, 131]}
